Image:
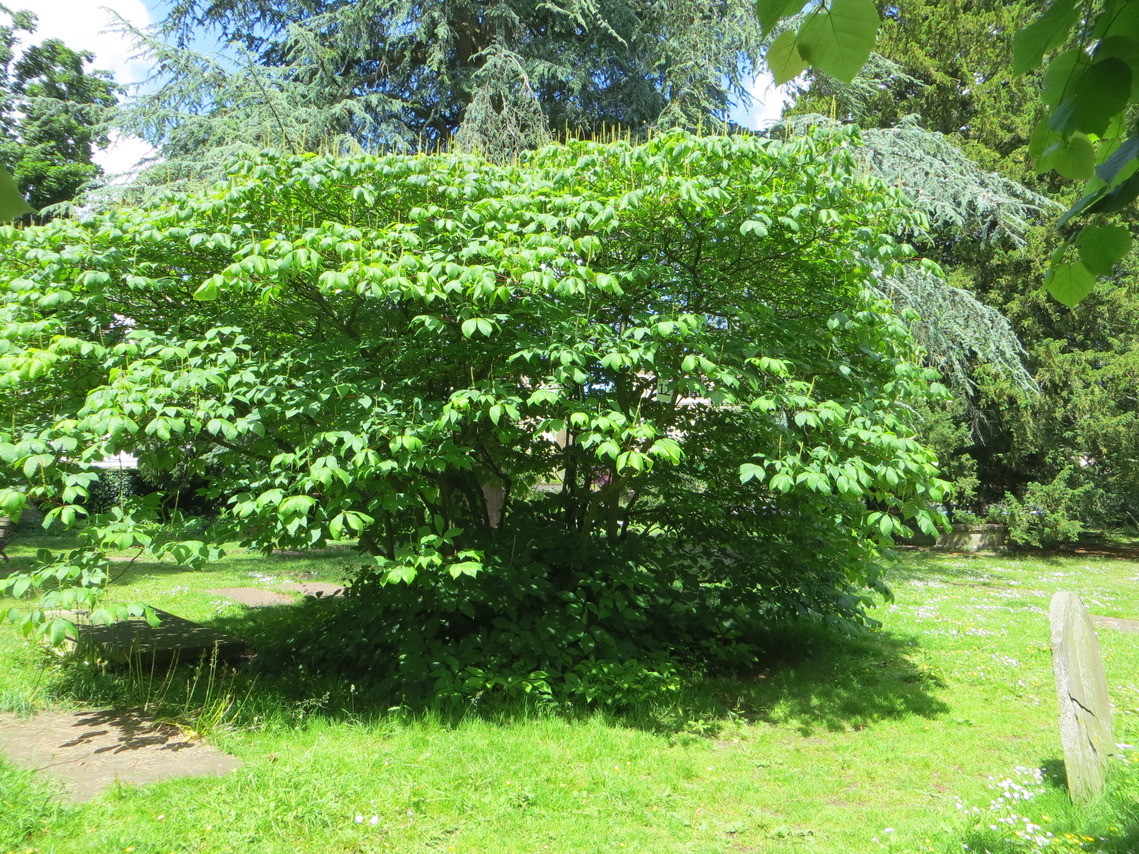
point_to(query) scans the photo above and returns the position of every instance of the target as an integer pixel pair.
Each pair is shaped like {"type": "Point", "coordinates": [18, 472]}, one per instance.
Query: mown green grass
{"type": "Point", "coordinates": [897, 741]}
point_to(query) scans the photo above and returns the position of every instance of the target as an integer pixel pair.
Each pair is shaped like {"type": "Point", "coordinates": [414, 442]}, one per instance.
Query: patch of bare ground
{"type": "Point", "coordinates": [87, 752]}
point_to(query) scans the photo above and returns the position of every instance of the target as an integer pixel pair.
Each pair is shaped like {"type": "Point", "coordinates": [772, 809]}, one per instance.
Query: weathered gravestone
{"type": "Point", "coordinates": [1085, 710]}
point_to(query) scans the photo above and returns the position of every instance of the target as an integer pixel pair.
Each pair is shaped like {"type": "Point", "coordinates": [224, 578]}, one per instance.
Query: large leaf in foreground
{"type": "Point", "coordinates": [12, 204]}
{"type": "Point", "coordinates": [838, 39]}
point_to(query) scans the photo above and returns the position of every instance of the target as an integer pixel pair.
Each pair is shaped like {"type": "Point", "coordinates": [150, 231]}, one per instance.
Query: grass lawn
{"type": "Point", "coordinates": [937, 732]}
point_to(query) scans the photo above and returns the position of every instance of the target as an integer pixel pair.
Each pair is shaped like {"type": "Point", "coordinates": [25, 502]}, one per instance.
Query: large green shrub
{"type": "Point", "coordinates": [611, 402]}
{"type": "Point", "coordinates": [1048, 513]}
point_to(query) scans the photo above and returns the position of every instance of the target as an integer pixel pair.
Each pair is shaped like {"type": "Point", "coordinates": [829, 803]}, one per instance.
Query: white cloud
{"type": "Point", "coordinates": [121, 158]}
{"type": "Point", "coordinates": [83, 25]}
{"type": "Point", "coordinates": [768, 101]}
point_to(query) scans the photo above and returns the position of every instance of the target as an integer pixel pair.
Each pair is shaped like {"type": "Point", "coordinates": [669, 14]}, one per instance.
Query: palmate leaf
{"type": "Point", "coordinates": [838, 39]}
{"type": "Point", "coordinates": [12, 204]}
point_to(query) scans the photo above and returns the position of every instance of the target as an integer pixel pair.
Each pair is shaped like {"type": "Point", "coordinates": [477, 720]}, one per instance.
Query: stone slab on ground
{"type": "Point", "coordinates": [964, 538]}
{"type": "Point", "coordinates": [1086, 731]}
{"type": "Point", "coordinates": [254, 597]}
{"type": "Point", "coordinates": [973, 538]}
{"type": "Point", "coordinates": [86, 752]}
{"type": "Point", "coordinates": [1130, 627]}
{"type": "Point", "coordinates": [316, 589]}
{"type": "Point", "coordinates": [173, 639]}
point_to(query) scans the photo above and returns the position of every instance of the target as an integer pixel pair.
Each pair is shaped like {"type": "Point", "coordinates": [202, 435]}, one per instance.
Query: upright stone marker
{"type": "Point", "coordinates": [1085, 710]}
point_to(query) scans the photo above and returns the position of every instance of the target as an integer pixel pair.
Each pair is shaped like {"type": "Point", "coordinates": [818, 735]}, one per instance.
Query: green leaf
{"type": "Point", "coordinates": [771, 12]}
{"type": "Point", "coordinates": [1073, 157]}
{"type": "Point", "coordinates": [755, 227]}
{"type": "Point", "coordinates": [782, 482]}
{"type": "Point", "coordinates": [12, 503]}
{"type": "Point", "coordinates": [1069, 283]}
{"type": "Point", "coordinates": [838, 40]}
{"type": "Point", "coordinates": [1125, 49]}
{"type": "Point", "coordinates": [208, 292]}
{"type": "Point", "coordinates": [57, 631]}
{"type": "Point", "coordinates": [295, 505]}
{"type": "Point", "coordinates": [630, 460]}
{"type": "Point", "coordinates": [1099, 201]}
{"type": "Point", "coordinates": [1047, 32]}
{"type": "Point", "coordinates": [400, 573]}
{"type": "Point", "coordinates": [37, 462]}
{"type": "Point", "coordinates": [1060, 76]}
{"type": "Point", "coordinates": [1093, 96]}
{"type": "Point", "coordinates": [1102, 246]}
{"type": "Point", "coordinates": [1118, 160]}
{"type": "Point", "coordinates": [786, 64]}
{"type": "Point", "coordinates": [465, 567]}
{"type": "Point", "coordinates": [12, 204]}
{"type": "Point", "coordinates": [751, 471]}
{"type": "Point", "coordinates": [1118, 197]}
{"type": "Point", "coordinates": [477, 324]}
{"type": "Point", "coordinates": [608, 450]}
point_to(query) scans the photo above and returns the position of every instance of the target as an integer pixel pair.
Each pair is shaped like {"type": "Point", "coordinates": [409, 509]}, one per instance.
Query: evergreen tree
{"type": "Point", "coordinates": [50, 108]}
{"type": "Point", "coordinates": [1090, 57]}
{"type": "Point", "coordinates": [948, 61]}
{"type": "Point", "coordinates": [953, 60]}
{"type": "Point", "coordinates": [502, 76]}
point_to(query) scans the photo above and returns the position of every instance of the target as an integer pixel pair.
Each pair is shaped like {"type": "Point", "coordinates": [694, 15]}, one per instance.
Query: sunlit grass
{"type": "Point", "coordinates": [903, 740]}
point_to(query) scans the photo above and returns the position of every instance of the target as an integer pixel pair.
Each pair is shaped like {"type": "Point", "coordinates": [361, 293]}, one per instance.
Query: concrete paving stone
{"type": "Point", "coordinates": [86, 752]}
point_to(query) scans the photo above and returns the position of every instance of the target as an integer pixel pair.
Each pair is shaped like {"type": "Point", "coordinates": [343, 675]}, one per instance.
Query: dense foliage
{"type": "Point", "coordinates": [613, 405]}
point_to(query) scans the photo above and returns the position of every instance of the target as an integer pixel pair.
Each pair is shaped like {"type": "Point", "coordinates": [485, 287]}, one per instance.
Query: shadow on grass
{"type": "Point", "coordinates": [811, 680]}
{"type": "Point", "coordinates": [833, 683]}
{"type": "Point", "coordinates": [128, 566]}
